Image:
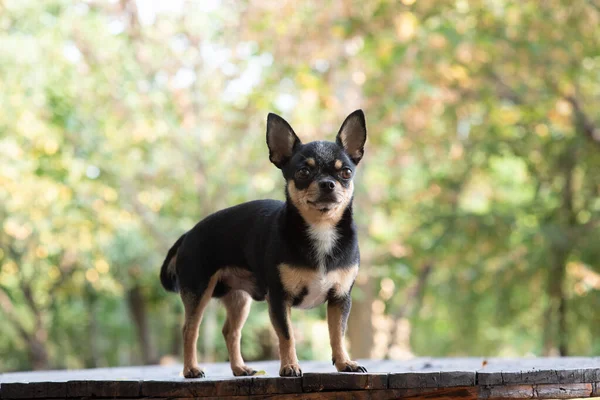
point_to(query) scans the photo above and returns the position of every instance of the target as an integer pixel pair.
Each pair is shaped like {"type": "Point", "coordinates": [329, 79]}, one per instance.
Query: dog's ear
{"type": "Point", "coordinates": [281, 140]}
{"type": "Point", "coordinates": [353, 135]}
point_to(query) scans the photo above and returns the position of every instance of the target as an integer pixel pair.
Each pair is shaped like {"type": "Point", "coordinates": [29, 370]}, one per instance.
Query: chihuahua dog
{"type": "Point", "coordinates": [301, 253]}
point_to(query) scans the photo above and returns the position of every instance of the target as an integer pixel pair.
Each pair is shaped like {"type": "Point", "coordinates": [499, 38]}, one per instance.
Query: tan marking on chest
{"type": "Point", "coordinates": [316, 283]}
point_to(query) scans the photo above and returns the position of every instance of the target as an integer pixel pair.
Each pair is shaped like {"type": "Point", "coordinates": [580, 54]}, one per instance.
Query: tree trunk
{"type": "Point", "coordinates": [38, 356]}
{"type": "Point", "coordinates": [137, 307]}
{"type": "Point", "coordinates": [555, 332]}
{"type": "Point", "coordinates": [360, 326]}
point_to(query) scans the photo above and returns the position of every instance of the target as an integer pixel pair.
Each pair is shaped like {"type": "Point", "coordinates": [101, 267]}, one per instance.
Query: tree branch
{"type": "Point", "coordinates": [589, 128]}
{"type": "Point", "coordinates": [9, 311]}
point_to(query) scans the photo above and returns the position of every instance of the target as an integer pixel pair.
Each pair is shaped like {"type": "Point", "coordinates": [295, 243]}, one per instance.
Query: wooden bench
{"type": "Point", "coordinates": [466, 378]}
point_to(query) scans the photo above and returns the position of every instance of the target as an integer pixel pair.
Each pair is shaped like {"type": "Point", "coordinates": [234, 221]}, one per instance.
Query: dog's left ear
{"type": "Point", "coordinates": [353, 135]}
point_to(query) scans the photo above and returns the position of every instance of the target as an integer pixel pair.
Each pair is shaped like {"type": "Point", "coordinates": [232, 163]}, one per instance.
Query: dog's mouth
{"type": "Point", "coordinates": [323, 205]}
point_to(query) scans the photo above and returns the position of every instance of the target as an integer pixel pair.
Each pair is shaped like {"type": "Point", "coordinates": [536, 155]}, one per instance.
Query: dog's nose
{"type": "Point", "coordinates": [327, 185]}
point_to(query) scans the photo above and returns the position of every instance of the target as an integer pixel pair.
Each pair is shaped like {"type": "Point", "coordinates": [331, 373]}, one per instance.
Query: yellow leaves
{"type": "Point", "coordinates": [459, 73]}
{"type": "Point", "coordinates": [92, 275]}
{"type": "Point", "coordinates": [408, 2]}
{"type": "Point", "coordinates": [308, 80]}
{"type": "Point", "coordinates": [53, 272]}
{"type": "Point", "coordinates": [41, 252]}
{"type": "Point", "coordinates": [506, 115]}
{"type": "Point", "coordinates": [464, 53]}
{"type": "Point", "coordinates": [50, 146]}
{"type": "Point", "coordinates": [85, 240]}
{"type": "Point", "coordinates": [65, 193]}
{"type": "Point", "coordinates": [263, 183]}
{"type": "Point", "coordinates": [561, 114]}
{"type": "Point", "coordinates": [10, 268]}
{"type": "Point", "coordinates": [385, 46]}
{"type": "Point", "coordinates": [109, 194]}
{"type": "Point", "coordinates": [101, 266]}
{"type": "Point", "coordinates": [406, 25]}
{"type": "Point", "coordinates": [541, 130]}
{"type": "Point", "coordinates": [399, 250]}
{"type": "Point", "coordinates": [378, 307]}
{"type": "Point", "coordinates": [387, 289]}
{"type": "Point", "coordinates": [437, 41]}
{"type": "Point", "coordinates": [338, 31]}
{"type": "Point", "coordinates": [125, 217]}
{"type": "Point", "coordinates": [16, 229]}
{"type": "Point", "coordinates": [359, 77]}
{"type": "Point", "coordinates": [381, 225]}
{"type": "Point", "coordinates": [586, 278]}
{"type": "Point", "coordinates": [563, 107]}
{"type": "Point", "coordinates": [456, 151]}
{"type": "Point", "coordinates": [454, 72]}
{"type": "Point", "coordinates": [153, 201]}
{"type": "Point", "coordinates": [8, 273]}
{"type": "Point", "coordinates": [260, 373]}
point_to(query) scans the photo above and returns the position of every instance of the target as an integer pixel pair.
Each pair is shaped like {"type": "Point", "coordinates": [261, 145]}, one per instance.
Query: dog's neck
{"type": "Point", "coordinates": [322, 235]}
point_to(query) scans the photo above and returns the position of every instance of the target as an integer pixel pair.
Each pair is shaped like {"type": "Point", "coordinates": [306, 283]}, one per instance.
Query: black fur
{"type": "Point", "coordinates": [168, 279]}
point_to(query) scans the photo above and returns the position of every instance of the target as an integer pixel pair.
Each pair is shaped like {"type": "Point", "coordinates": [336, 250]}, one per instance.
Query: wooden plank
{"type": "Point", "coordinates": [38, 390]}
{"type": "Point", "coordinates": [77, 389]}
{"type": "Point", "coordinates": [272, 385]}
{"type": "Point", "coordinates": [539, 377]}
{"type": "Point", "coordinates": [591, 375]}
{"type": "Point", "coordinates": [568, 391]}
{"type": "Point", "coordinates": [537, 391]}
{"type": "Point", "coordinates": [318, 382]}
{"type": "Point", "coordinates": [242, 386]}
{"type": "Point", "coordinates": [489, 378]}
{"type": "Point", "coordinates": [389, 394]}
{"type": "Point", "coordinates": [530, 377]}
{"type": "Point", "coordinates": [525, 378]}
{"type": "Point", "coordinates": [506, 392]}
{"type": "Point", "coordinates": [410, 380]}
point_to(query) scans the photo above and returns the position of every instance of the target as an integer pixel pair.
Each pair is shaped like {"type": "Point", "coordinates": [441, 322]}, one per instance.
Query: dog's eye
{"type": "Point", "coordinates": [303, 173]}
{"type": "Point", "coordinates": [346, 173]}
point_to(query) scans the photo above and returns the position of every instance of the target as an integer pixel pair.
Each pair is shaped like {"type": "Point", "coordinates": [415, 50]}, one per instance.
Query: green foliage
{"type": "Point", "coordinates": [124, 123]}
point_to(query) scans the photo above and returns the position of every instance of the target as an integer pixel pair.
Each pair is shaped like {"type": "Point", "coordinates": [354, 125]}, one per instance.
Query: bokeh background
{"type": "Point", "coordinates": [122, 123]}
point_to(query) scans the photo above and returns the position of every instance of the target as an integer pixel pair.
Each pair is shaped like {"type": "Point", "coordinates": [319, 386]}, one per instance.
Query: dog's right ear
{"type": "Point", "coordinates": [281, 140]}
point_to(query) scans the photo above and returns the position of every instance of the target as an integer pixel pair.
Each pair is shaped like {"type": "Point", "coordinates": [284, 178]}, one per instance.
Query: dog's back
{"type": "Point", "coordinates": [235, 237]}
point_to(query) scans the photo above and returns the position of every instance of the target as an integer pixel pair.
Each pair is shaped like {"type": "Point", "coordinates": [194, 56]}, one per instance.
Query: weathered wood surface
{"type": "Point", "coordinates": [452, 378]}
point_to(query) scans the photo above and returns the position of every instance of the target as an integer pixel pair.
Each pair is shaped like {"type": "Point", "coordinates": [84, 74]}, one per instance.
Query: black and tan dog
{"type": "Point", "coordinates": [298, 253]}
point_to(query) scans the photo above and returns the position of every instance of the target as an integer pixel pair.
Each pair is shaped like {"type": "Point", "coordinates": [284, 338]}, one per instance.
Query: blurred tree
{"type": "Point", "coordinates": [478, 201]}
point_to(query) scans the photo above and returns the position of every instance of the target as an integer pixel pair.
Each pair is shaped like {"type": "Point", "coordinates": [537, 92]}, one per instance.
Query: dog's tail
{"type": "Point", "coordinates": [168, 277]}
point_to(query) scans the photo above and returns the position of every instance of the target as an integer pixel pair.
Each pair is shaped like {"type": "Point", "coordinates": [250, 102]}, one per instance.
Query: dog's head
{"type": "Point", "coordinates": [319, 174]}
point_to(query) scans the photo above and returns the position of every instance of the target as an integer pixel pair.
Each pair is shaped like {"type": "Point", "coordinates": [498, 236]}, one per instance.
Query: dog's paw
{"type": "Point", "coordinates": [193, 372]}
{"type": "Point", "coordinates": [290, 370]}
{"type": "Point", "coordinates": [350, 366]}
{"type": "Point", "coordinates": [243, 371]}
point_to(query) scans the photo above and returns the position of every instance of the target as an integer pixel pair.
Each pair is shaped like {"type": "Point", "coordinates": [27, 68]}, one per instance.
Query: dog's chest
{"type": "Point", "coordinates": [323, 239]}
{"type": "Point", "coordinates": [310, 287]}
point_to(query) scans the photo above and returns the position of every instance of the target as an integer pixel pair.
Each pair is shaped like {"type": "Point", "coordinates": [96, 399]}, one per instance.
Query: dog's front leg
{"type": "Point", "coordinates": [338, 310]}
{"type": "Point", "coordinates": [279, 311]}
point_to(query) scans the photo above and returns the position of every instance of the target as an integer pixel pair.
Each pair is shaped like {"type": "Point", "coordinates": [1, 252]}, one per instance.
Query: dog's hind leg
{"type": "Point", "coordinates": [237, 303]}
{"type": "Point", "coordinates": [195, 303]}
